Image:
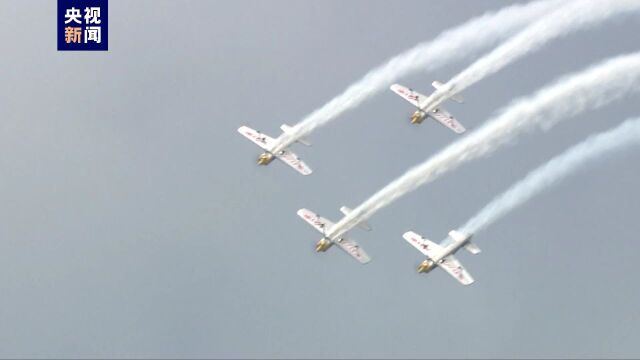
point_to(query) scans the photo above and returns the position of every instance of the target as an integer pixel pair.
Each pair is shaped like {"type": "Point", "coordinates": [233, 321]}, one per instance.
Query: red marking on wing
{"type": "Point", "coordinates": [424, 246]}
{"type": "Point", "coordinates": [255, 136]}
{"type": "Point", "coordinates": [455, 269]}
{"type": "Point", "coordinates": [314, 219]}
{"type": "Point", "coordinates": [354, 250]}
{"type": "Point", "coordinates": [408, 94]}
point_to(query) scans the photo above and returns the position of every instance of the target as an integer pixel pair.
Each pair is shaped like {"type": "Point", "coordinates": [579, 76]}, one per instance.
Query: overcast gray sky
{"type": "Point", "coordinates": [134, 221]}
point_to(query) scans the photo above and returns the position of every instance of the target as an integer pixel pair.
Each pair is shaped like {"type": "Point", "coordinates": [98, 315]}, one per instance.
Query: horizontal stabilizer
{"type": "Point", "coordinates": [459, 236]}
{"type": "Point", "coordinates": [456, 97]}
{"type": "Point", "coordinates": [472, 248]}
{"type": "Point", "coordinates": [437, 84]}
{"type": "Point", "coordinates": [285, 128]}
{"type": "Point", "coordinates": [364, 225]}
{"type": "Point", "coordinates": [288, 130]}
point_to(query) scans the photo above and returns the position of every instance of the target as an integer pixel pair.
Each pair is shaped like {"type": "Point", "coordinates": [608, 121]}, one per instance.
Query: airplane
{"type": "Point", "coordinates": [430, 105]}
{"type": "Point", "coordinates": [273, 150]}
{"type": "Point", "coordinates": [330, 237]}
{"type": "Point", "coordinates": [441, 255]}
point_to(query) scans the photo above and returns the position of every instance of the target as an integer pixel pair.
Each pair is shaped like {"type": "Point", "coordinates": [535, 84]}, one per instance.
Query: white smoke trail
{"type": "Point", "coordinates": [572, 17]}
{"type": "Point", "coordinates": [595, 146]}
{"type": "Point", "coordinates": [569, 96]}
{"type": "Point", "coordinates": [450, 45]}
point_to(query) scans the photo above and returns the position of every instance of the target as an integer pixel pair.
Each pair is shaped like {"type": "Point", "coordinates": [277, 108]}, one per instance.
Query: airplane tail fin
{"type": "Point", "coordinates": [364, 225]}
{"type": "Point", "coordinates": [460, 237]}
{"type": "Point", "coordinates": [288, 129]}
{"type": "Point", "coordinates": [456, 97]}
{"type": "Point", "coordinates": [472, 248]}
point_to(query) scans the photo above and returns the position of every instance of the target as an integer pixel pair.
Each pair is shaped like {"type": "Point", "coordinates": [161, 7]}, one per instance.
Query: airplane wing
{"type": "Point", "coordinates": [352, 248]}
{"type": "Point", "coordinates": [292, 160]}
{"type": "Point", "coordinates": [264, 141]}
{"type": "Point", "coordinates": [425, 246]}
{"type": "Point", "coordinates": [410, 95]}
{"type": "Point", "coordinates": [451, 265]}
{"type": "Point", "coordinates": [446, 119]}
{"type": "Point", "coordinates": [318, 222]}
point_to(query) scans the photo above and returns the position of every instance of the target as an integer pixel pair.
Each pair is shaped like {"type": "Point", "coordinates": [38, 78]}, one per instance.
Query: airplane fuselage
{"type": "Point", "coordinates": [433, 101]}
{"type": "Point", "coordinates": [430, 263]}
{"type": "Point", "coordinates": [283, 142]}
{"type": "Point", "coordinates": [431, 105]}
{"type": "Point", "coordinates": [267, 157]}
{"type": "Point", "coordinates": [329, 239]}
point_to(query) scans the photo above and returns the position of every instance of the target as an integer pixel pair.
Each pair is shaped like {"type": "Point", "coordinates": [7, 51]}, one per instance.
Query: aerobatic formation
{"type": "Point", "coordinates": [526, 28]}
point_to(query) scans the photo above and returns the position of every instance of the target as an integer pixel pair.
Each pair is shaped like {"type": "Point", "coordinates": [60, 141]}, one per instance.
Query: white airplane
{"type": "Point", "coordinates": [271, 149]}
{"type": "Point", "coordinates": [430, 105]}
{"type": "Point", "coordinates": [329, 237]}
{"type": "Point", "coordinates": [442, 255]}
